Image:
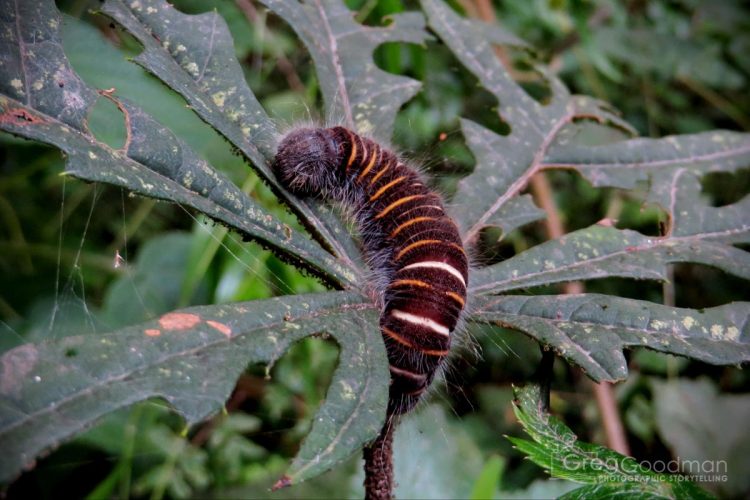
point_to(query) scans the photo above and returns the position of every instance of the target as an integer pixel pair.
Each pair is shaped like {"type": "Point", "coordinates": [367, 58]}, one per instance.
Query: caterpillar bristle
{"type": "Point", "coordinates": [415, 250]}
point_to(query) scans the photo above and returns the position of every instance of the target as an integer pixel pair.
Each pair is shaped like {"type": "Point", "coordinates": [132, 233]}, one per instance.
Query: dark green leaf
{"type": "Point", "coordinates": [49, 103]}
{"type": "Point", "coordinates": [506, 163]}
{"type": "Point", "coordinates": [601, 251]}
{"type": "Point", "coordinates": [52, 390]}
{"type": "Point", "coordinates": [591, 330]}
{"type": "Point", "coordinates": [194, 55]}
{"type": "Point", "coordinates": [355, 90]}
{"type": "Point", "coordinates": [624, 164]}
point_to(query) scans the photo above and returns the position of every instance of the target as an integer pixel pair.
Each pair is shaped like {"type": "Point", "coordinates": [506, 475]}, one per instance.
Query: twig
{"type": "Point", "coordinates": [615, 432]}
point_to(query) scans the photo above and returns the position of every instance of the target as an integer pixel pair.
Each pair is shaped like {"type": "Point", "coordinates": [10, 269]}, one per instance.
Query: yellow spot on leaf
{"type": "Point", "coordinates": [733, 333]}
{"type": "Point", "coordinates": [688, 322]}
{"type": "Point", "coordinates": [192, 68]}
{"type": "Point", "coordinates": [219, 98]}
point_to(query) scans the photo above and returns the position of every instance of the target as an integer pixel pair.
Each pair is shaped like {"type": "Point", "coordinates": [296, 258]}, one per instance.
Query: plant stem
{"type": "Point", "coordinates": [379, 464]}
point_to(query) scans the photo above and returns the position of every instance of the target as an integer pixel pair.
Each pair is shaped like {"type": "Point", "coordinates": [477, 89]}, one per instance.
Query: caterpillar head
{"type": "Point", "coordinates": [307, 160]}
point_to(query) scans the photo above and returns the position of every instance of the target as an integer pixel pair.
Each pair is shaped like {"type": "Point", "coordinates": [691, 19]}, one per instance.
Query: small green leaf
{"type": "Point", "coordinates": [591, 330]}
{"type": "Point", "coordinates": [557, 449]}
{"type": "Point", "coordinates": [487, 483]}
{"type": "Point", "coordinates": [191, 358]}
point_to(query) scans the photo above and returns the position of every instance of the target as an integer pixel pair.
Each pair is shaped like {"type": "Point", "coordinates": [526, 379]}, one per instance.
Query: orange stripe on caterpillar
{"type": "Point", "coordinates": [365, 153]}
{"type": "Point", "coordinates": [418, 207]}
{"type": "Point", "coordinates": [457, 298]}
{"type": "Point", "coordinates": [397, 203]}
{"type": "Point", "coordinates": [422, 243]}
{"type": "Point", "coordinates": [409, 223]}
{"type": "Point", "coordinates": [406, 373]}
{"type": "Point", "coordinates": [385, 188]}
{"type": "Point", "coordinates": [401, 340]}
{"type": "Point", "coordinates": [381, 172]}
{"type": "Point", "coordinates": [353, 153]}
{"type": "Point", "coordinates": [370, 165]}
{"type": "Point", "coordinates": [417, 283]}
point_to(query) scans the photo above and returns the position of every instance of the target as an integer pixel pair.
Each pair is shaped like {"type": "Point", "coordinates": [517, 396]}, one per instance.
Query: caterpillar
{"type": "Point", "coordinates": [414, 249]}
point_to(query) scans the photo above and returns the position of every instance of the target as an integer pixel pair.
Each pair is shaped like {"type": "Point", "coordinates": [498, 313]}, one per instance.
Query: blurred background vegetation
{"type": "Point", "coordinates": [81, 258]}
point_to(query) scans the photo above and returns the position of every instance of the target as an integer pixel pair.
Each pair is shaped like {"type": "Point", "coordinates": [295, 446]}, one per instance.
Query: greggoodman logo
{"type": "Point", "coordinates": [627, 469]}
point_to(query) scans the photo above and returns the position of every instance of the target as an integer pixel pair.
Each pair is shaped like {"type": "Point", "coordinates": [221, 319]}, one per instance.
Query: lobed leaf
{"type": "Point", "coordinates": [672, 168]}
{"type": "Point", "coordinates": [601, 251]}
{"type": "Point", "coordinates": [194, 55]}
{"type": "Point", "coordinates": [624, 164]}
{"type": "Point", "coordinates": [505, 164]}
{"type": "Point", "coordinates": [49, 103]}
{"type": "Point", "coordinates": [608, 473]}
{"type": "Point", "coordinates": [192, 358]}
{"type": "Point", "coordinates": [591, 330]}
{"type": "Point", "coordinates": [538, 141]}
{"type": "Point", "coordinates": [355, 90]}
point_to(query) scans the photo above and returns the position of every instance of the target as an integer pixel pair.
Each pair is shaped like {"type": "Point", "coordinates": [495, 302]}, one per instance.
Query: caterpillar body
{"type": "Point", "coordinates": [414, 248]}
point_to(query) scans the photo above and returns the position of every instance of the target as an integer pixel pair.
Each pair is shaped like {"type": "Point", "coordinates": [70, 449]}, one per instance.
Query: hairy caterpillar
{"type": "Point", "coordinates": [414, 248]}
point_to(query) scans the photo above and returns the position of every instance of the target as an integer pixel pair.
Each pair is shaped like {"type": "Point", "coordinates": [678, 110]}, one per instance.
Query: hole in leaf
{"type": "Point", "coordinates": [493, 246]}
{"type": "Point", "coordinates": [107, 123]}
{"type": "Point", "coordinates": [582, 205]}
{"type": "Point", "coordinates": [295, 389]}
{"type": "Point", "coordinates": [373, 13]}
{"type": "Point", "coordinates": [726, 188]}
{"type": "Point", "coordinates": [407, 59]}
{"type": "Point", "coordinates": [523, 72]}
{"type": "Point", "coordinates": [449, 91]}
{"type": "Point", "coordinates": [71, 353]}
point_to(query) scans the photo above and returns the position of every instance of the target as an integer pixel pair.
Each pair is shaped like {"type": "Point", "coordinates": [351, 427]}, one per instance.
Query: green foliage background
{"type": "Point", "coordinates": [670, 67]}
